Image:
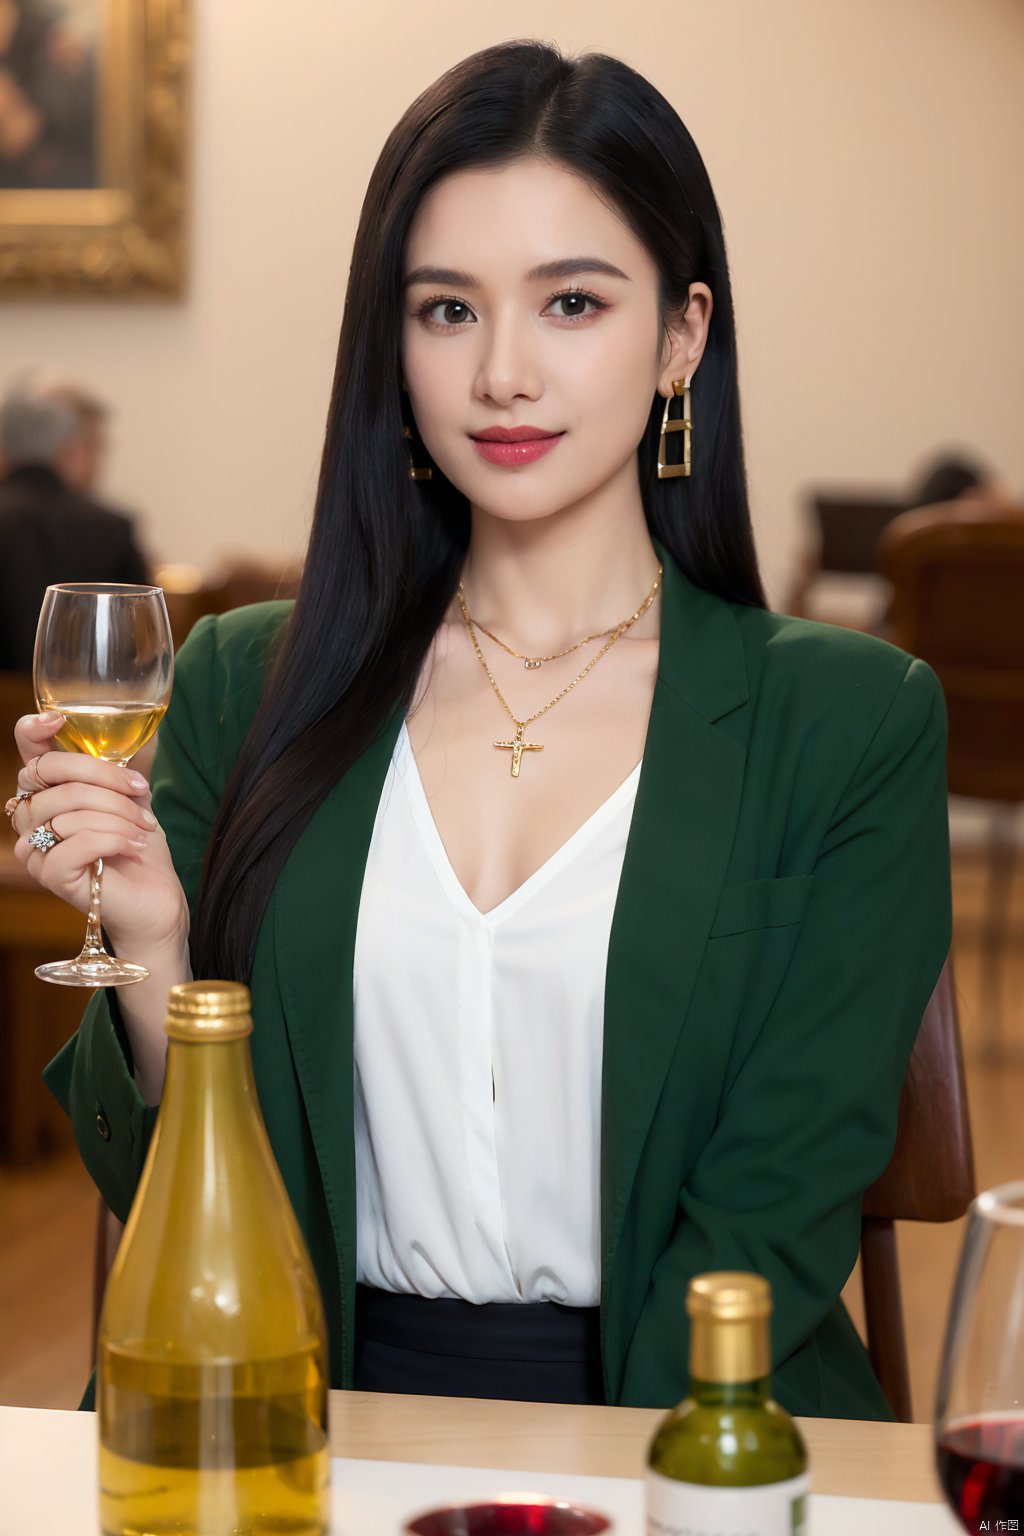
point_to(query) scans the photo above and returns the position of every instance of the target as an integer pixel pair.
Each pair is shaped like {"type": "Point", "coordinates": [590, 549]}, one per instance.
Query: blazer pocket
{"type": "Point", "coordinates": [762, 904]}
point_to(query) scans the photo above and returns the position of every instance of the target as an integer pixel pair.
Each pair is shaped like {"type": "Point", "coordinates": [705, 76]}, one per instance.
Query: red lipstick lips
{"type": "Point", "coordinates": [512, 434]}
{"type": "Point", "coordinates": [511, 446]}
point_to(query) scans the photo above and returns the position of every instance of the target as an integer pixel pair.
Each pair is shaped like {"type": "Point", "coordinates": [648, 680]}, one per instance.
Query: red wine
{"type": "Point", "coordinates": [981, 1468]}
{"type": "Point", "coordinates": [544, 1517]}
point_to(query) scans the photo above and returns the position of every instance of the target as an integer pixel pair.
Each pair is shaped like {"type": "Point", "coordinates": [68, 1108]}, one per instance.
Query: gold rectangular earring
{"type": "Point", "coordinates": [667, 471]}
{"type": "Point", "coordinates": [416, 472]}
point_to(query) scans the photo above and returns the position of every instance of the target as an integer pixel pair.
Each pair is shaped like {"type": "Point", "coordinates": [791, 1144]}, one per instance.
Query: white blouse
{"type": "Point", "coordinates": [478, 1039]}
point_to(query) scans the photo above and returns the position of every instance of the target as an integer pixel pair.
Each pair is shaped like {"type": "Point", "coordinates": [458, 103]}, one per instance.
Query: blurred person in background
{"type": "Point", "coordinates": [958, 477]}
{"type": "Point", "coordinates": [52, 441]}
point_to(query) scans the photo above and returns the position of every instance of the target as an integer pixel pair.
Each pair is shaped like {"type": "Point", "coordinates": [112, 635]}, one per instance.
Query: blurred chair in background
{"type": "Point", "coordinates": [51, 527]}
{"type": "Point", "coordinates": [239, 580]}
{"type": "Point", "coordinates": [839, 580]}
{"type": "Point", "coordinates": [930, 1177]}
{"type": "Point", "coordinates": [955, 481]}
{"type": "Point", "coordinates": [957, 573]}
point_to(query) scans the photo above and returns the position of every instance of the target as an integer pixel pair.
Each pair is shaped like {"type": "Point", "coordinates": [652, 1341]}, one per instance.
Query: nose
{"type": "Point", "coordinates": [509, 366]}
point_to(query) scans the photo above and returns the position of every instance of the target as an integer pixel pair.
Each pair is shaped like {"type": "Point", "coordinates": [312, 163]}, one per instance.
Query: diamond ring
{"type": "Point", "coordinates": [44, 837]}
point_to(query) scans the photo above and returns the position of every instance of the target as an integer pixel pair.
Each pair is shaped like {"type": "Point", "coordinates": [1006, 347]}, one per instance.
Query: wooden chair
{"type": "Point", "coordinates": [236, 583]}
{"type": "Point", "coordinates": [245, 581]}
{"type": "Point", "coordinates": [930, 1177]}
{"type": "Point", "coordinates": [850, 526]}
{"type": "Point", "coordinates": [957, 573]}
{"type": "Point", "coordinates": [844, 528]}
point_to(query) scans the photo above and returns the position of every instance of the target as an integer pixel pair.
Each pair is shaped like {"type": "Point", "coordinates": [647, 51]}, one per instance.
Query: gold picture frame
{"type": "Point", "coordinates": [123, 234]}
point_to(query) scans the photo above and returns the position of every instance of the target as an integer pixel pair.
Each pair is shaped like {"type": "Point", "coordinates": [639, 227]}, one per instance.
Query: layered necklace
{"type": "Point", "coordinates": [518, 745]}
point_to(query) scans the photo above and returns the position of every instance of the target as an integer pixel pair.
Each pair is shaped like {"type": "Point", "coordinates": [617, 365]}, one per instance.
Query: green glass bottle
{"type": "Point", "coordinates": [211, 1374]}
{"type": "Point", "coordinates": [728, 1460]}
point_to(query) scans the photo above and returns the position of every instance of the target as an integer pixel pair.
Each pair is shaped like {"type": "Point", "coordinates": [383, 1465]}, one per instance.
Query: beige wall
{"type": "Point", "coordinates": [866, 156]}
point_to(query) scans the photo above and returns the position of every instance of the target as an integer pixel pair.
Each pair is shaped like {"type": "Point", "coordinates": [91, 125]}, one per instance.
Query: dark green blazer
{"type": "Point", "coordinates": [781, 921]}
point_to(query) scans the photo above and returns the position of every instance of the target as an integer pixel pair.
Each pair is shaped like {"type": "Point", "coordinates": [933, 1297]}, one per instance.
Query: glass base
{"type": "Point", "coordinates": [92, 971]}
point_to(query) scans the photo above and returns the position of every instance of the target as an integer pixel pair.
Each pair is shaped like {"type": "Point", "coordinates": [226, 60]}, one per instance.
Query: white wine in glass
{"type": "Point", "coordinates": [104, 659]}
{"type": "Point", "coordinates": [114, 732]}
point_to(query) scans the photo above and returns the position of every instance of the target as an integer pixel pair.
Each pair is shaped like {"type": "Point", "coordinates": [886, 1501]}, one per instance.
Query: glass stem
{"type": "Point", "coordinates": [93, 946]}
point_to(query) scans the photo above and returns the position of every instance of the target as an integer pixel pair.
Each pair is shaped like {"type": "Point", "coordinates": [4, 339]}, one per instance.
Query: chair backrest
{"type": "Point", "coordinates": [246, 581]}
{"type": "Point", "coordinates": [237, 583]}
{"type": "Point", "coordinates": [930, 1177]}
{"type": "Point", "coordinates": [849, 526]}
{"type": "Point", "coordinates": [957, 573]}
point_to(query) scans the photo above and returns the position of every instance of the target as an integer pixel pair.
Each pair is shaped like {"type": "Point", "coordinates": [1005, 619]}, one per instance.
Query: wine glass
{"type": "Point", "coordinates": [979, 1410]}
{"type": "Point", "coordinates": [104, 658]}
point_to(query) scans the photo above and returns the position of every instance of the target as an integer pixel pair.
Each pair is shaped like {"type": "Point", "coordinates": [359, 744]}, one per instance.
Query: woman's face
{"type": "Point", "coordinates": [491, 340]}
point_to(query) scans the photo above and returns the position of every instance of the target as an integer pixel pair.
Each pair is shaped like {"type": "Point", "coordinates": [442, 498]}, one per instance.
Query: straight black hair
{"type": "Point", "coordinates": [385, 552]}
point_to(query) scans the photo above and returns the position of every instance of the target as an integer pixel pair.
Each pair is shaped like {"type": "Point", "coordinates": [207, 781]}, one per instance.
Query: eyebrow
{"type": "Point", "coordinates": [570, 266]}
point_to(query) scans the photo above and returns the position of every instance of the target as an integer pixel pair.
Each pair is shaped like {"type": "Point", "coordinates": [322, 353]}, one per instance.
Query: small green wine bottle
{"type": "Point", "coordinates": [728, 1461]}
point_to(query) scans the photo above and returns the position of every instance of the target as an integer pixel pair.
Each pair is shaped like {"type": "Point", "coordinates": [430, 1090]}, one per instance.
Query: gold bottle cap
{"type": "Point", "coordinates": [209, 1010]}
{"type": "Point", "coordinates": [734, 1295]}
{"type": "Point", "coordinates": [729, 1337]}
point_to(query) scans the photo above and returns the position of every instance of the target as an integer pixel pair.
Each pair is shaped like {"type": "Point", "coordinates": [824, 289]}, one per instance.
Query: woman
{"type": "Point", "coordinates": [589, 909]}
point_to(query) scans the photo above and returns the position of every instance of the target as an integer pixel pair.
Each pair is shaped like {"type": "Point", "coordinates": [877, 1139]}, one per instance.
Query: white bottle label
{"type": "Point", "coordinates": [694, 1509]}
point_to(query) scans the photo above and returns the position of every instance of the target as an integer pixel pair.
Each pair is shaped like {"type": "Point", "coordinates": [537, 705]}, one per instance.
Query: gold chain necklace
{"type": "Point", "coordinates": [519, 745]}
{"type": "Point", "coordinates": [538, 661]}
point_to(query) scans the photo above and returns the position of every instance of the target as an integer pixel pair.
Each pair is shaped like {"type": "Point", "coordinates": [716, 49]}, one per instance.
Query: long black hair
{"type": "Point", "coordinates": [385, 551]}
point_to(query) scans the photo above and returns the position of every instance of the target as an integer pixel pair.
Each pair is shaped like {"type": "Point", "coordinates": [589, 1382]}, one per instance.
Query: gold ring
{"type": "Point", "coordinates": [16, 800]}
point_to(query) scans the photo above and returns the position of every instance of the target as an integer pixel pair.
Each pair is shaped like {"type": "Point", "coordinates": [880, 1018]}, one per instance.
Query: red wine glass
{"type": "Point", "coordinates": [979, 1410]}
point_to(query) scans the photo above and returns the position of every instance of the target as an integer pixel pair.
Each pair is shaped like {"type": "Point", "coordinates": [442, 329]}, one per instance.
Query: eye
{"type": "Point", "coordinates": [455, 310]}
{"type": "Point", "coordinates": [579, 297]}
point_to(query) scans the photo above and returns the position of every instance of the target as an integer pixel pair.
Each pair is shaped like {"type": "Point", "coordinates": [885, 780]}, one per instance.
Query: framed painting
{"type": "Point", "coordinates": [93, 116]}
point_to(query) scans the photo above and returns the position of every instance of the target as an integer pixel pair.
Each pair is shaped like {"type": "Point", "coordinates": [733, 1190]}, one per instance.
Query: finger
{"type": "Point", "coordinates": [33, 733]}
{"type": "Point", "coordinates": [49, 769]}
{"type": "Point", "coordinates": [63, 867]}
{"type": "Point", "coordinates": [69, 823]}
{"type": "Point", "coordinates": [46, 804]}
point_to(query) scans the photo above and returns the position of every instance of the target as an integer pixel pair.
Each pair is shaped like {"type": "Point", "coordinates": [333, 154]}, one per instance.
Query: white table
{"type": "Point", "coordinates": [395, 1455]}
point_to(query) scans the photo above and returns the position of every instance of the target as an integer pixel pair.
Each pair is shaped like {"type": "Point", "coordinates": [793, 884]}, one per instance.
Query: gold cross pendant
{"type": "Point", "coordinates": [518, 747]}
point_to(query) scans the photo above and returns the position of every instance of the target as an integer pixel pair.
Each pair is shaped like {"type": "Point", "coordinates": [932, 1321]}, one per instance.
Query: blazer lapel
{"type": "Point", "coordinates": [316, 907]}
{"type": "Point", "coordinates": [677, 853]}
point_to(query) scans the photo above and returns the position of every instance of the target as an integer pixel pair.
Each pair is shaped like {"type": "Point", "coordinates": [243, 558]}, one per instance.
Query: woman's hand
{"type": "Point", "coordinates": [99, 811]}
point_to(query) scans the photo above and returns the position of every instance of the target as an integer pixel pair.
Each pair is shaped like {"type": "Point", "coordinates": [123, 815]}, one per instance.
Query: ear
{"type": "Point", "coordinates": [686, 336]}
{"type": "Point", "coordinates": [67, 460]}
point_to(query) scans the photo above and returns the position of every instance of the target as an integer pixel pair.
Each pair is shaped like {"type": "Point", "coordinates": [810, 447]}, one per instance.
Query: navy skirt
{"type": "Point", "coordinates": [538, 1352]}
